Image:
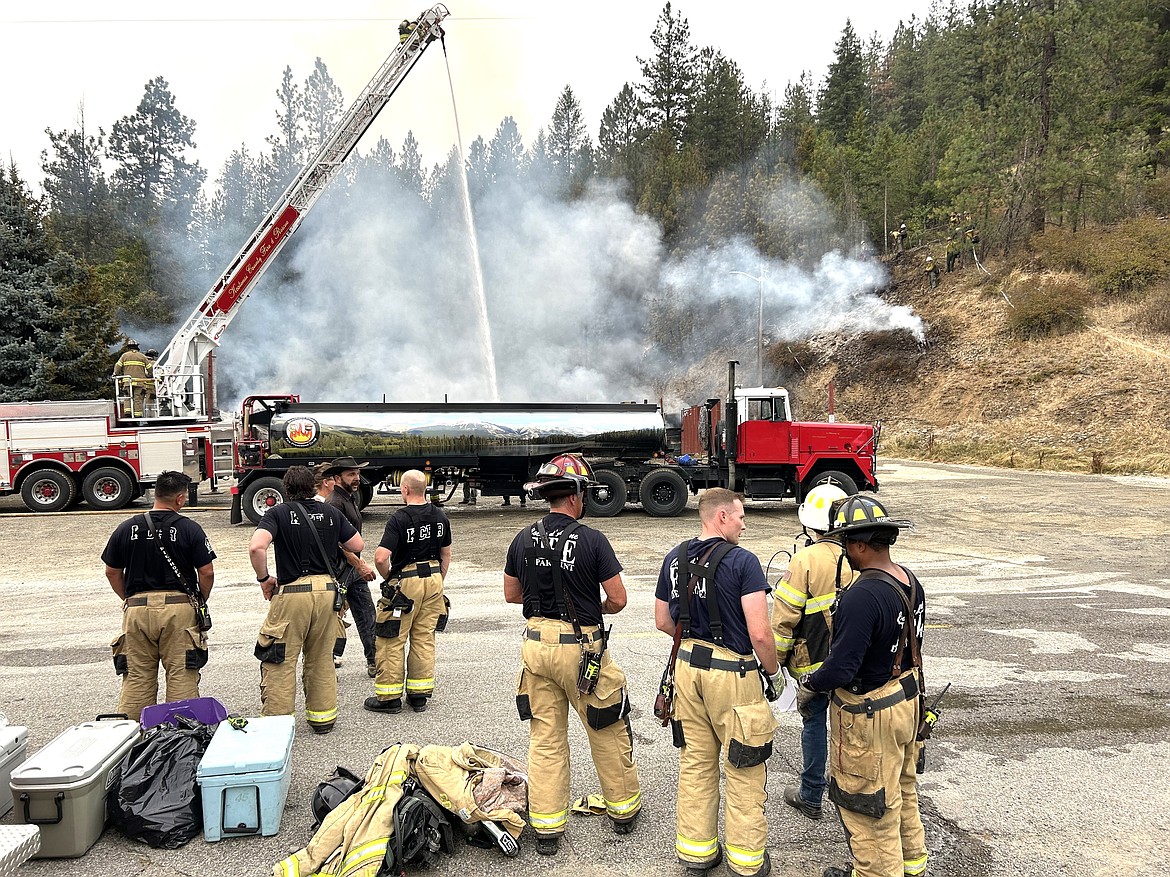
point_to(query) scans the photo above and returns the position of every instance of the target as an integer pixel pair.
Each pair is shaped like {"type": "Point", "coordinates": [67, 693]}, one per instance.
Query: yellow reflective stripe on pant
{"type": "Point", "coordinates": [423, 685]}
{"type": "Point", "coordinates": [290, 868]}
{"type": "Point", "coordinates": [319, 717]}
{"type": "Point", "coordinates": [698, 849]}
{"type": "Point", "coordinates": [744, 858]}
{"type": "Point", "coordinates": [624, 808]}
{"type": "Point", "coordinates": [547, 822]}
{"type": "Point", "coordinates": [391, 691]}
{"type": "Point", "coordinates": [914, 867]}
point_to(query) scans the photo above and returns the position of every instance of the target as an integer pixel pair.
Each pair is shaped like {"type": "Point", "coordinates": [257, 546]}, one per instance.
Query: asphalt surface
{"type": "Point", "coordinates": [1048, 610]}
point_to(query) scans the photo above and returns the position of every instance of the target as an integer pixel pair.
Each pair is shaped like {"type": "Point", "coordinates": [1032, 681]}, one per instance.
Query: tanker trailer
{"type": "Point", "coordinates": [494, 447]}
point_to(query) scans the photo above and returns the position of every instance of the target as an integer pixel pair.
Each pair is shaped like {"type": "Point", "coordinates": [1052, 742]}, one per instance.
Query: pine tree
{"type": "Point", "coordinates": [287, 144]}
{"type": "Point", "coordinates": [323, 105]}
{"type": "Point", "coordinates": [670, 76]}
{"type": "Point", "coordinates": [566, 135]}
{"type": "Point", "coordinates": [844, 94]}
{"type": "Point", "coordinates": [505, 152]}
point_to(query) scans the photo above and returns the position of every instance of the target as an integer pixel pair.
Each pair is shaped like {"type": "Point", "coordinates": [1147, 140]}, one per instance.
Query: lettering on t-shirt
{"type": "Point", "coordinates": [700, 585]}
{"type": "Point", "coordinates": [568, 554]}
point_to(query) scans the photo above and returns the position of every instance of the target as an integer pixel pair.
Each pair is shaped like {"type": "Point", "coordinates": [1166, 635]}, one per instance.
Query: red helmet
{"type": "Point", "coordinates": [561, 476]}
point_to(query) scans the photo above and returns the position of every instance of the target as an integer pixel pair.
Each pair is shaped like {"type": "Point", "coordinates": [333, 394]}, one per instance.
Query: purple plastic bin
{"type": "Point", "coordinates": [203, 709]}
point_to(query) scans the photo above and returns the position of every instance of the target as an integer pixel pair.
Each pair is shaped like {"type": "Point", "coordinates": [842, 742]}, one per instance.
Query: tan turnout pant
{"type": "Point", "coordinates": [392, 631]}
{"type": "Point", "coordinates": [872, 755]}
{"type": "Point", "coordinates": [158, 627]}
{"type": "Point", "coordinates": [721, 713]}
{"type": "Point", "coordinates": [547, 686]}
{"type": "Point", "coordinates": [300, 618]}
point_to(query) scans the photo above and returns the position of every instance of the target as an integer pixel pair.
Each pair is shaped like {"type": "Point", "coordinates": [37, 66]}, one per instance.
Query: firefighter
{"type": "Point", "coordinates": [413, 558]}
{"type": "Point", "coordinates": [346, 475]}
{"type": "Point", "coordinates": [719, 702]}
{"type": "Point", "coordinates": [131, 374]}
{"type": "Point", "coordinates": [874, 675]}
{"type": "Point", "coordinates": [930, 269]}
{"type": "Point", "coordinates": [155, 570]}
{"type": "Point", "coordinates": [405, 29]}
{"type": "Point", "coordinates": [303, 615]}
{"type": "Point", "coordinates": [954, 251]}
{"type": "Point", "coordinates": [150, 400]}
{"type": "Point", "coordinates": [557, 570]}
{"type": "Point", "coordinates": [801, 622]}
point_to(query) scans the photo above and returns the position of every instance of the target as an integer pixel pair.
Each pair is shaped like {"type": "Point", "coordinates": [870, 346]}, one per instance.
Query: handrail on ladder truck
{"type": "Point", "coordinates": [178, 370]}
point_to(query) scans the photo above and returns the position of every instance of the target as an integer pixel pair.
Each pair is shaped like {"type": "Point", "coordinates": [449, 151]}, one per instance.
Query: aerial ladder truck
{"type": "Point", "coordinates": [109, 453]}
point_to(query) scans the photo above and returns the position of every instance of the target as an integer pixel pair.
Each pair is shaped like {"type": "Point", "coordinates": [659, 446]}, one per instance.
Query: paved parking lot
{"type": "Point", "coordinates": [1048, 610]}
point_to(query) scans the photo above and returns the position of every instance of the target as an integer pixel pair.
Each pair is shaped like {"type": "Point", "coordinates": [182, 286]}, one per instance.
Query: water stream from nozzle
{"type": "Point", "coordinates": [485, 329]}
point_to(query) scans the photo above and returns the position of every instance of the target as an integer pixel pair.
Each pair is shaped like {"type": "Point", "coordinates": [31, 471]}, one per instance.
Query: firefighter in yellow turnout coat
{"type": "Point", "coordinates": [801, 623]}
{"type": "Point", "coordinates": [719, 703]}
{"type": "Point", "coordinates": [874, 675]}
{"type": "Point", "coordinates": [302, 615]}
{"type": "Point", "coordinates": [556, 569]}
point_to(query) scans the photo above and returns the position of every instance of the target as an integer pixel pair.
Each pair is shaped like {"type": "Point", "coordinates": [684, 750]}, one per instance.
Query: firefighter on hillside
{"type": "Point", "coordinates": [719, 704]}
{"type": "Point", "coordinates": [557, 569]}
{"type": "Point", "coordinates": [900, 237]}
{"type": "Point", "coordinates": [930, 269]}
{"type": "Point", "coordinates": [954, 251]}
{"type": "Point", "coordinates": [801, 622]}
{"type": "Point", "coordinates": [412, 558]}
{"type": "Point", "coordinates": [874, 675]}
{"type": "Point", "coordinates": [303, 615]}
{"type": "Point", "coordinates": [131, 372]}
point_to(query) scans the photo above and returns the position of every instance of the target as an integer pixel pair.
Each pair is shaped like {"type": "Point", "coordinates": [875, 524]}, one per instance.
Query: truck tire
{"type": "Point", "coordinates": [107, 488]}
{"type": "Point", "coordinates": [365, 494]}
{"type": "Point", "coordinates": [610, 498]}
{"type": "Point", "coordinates": [47, 490]}
{"type": "Point", "coordinates": [831, 476]}
{"type": "Point", "coordinates": [663, 493]}
{"type": "Point", "coordinates": [261, 495]}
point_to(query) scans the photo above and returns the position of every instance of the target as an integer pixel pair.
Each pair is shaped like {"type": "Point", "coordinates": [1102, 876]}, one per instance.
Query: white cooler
{"type": "Point", "coordinates": [62, 789]}
{"type": "Point", "coordinates": [13, 746]}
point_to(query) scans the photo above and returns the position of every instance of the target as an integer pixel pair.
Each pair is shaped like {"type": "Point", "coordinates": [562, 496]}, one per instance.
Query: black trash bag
{"type": "Point", "coordinates": [154, 798]}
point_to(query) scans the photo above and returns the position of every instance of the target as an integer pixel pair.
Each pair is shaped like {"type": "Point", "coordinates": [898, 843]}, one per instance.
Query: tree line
{"type": "Point", "coordinates": [1025, 114]}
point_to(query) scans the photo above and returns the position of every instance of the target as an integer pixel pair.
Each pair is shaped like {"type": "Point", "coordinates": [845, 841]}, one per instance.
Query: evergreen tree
{"type": "Point", "coordinates": [57, 332]}
{"type": "Point", "coordinates": [670, 76]}
{"type": "Point", "coordinates": [478, 175]}
{"type": "Point", "coordinates": [505, 152]}
{"type": "Point", "coordinates": [410, 170]}
{"type": "Point", "coordinates": [154, 179]}
{"type": "Point", "coordinates": [623, 129]}
{"type": "Point", "coordinates": [844, 93]}
{"type": "Point", "coordinates": [287, 145]}
{"type": "Point", "coordinates": [82, 213]}
{"type": "Point", "coordinates": [566, 134]}
{"type": "Point", "coordinates": [728, 123]}
{"type": "Point", "coordinates": [323, 105]}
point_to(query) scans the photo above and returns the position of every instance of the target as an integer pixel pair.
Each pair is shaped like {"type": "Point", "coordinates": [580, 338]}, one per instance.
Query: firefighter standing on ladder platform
{"type": "Point", "coordinates": [719, 700]}
{"type": "Point", "coordinates": [556, 570]}
{"type": "Point", "coordinates": [134, 377]}
{"type": "Point", "coordinates": [874, 675]}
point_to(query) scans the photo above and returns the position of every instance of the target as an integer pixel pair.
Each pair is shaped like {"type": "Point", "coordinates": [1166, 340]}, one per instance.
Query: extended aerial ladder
{"type": "Point", "coordinates": [178, 372]}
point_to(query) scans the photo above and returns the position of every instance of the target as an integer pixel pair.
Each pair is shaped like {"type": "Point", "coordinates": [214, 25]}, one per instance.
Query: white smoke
{"type": "Point", "coordinates": [374, 298]}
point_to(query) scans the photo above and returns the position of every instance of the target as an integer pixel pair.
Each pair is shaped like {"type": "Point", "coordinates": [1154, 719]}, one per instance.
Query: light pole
{"type": "Point", "coordinates": [759, 325]}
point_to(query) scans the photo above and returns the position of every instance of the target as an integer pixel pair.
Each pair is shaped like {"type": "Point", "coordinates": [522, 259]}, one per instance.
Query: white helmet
{"type": "Point", "coordinates": [814, 511]}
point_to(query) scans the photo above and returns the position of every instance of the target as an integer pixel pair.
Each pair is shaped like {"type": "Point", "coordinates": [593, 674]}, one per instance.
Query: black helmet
{"type": "Point", "coordinates": [152, 352]}
{"type": "Point", "coordinates": [330, 793]}
{"type": "Point", "coordinates": [131, 344]}
{"type": "Point", "coordinates": [864, 519]}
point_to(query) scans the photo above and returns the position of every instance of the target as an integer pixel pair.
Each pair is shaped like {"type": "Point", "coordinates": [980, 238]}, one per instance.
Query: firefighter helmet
{"type": "Point", "coordinates": [814, 511]}
{"type": "Point", "coordinates": [331, 792]}
{"type": "Point", "coordinates": [131, 344]}
{"type": "Point", "coordinates": [561, 476]}
{"type": "Point", "coordinates": [862, 518]}
{"type": "Point", "coordinates": [152, 352]}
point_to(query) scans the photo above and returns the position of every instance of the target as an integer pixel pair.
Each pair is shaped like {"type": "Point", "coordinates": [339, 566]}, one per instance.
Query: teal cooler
{"type": "Point", "coordinates": [244, 776]}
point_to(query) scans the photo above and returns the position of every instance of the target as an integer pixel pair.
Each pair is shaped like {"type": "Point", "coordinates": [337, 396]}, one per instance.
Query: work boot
{"type": "Point", "coordinates": [792, 799]}
{"type": "Point", "coordinates": [371, 669]}
{"type": "Point", "coordinates": [321, 729]}
{"type": "Point", "coordinates": [547, 845]}
{"type": "Point", "coordinates": [383, 706]}
{"type": "Point", "coordinates": [834, 871]}
{"type": "Point", "coordinates": [625, 826]}
{"type": "Point", "coordinates": [507, 500]}
{"type": "Point", "coordinates": [703, 867]}
{"type": "Point", "coordinates": [418, 704]}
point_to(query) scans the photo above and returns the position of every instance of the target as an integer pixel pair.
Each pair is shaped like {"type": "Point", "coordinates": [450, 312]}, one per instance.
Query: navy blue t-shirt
{"type": "Point", "coordinates": [867, 628]}
{"type": "Point", "coordinates": [739, 573]}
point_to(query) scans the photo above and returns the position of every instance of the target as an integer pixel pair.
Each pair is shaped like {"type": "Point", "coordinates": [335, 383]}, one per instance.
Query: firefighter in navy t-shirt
{"type": "Point", "coordinates": [719, 703]}
{"type": "Point", "coordinates": [413, 558]}
{"type": "Point", "coordinates": [559, 658]}
{"type": "Point", "coordinates": [874, 674]}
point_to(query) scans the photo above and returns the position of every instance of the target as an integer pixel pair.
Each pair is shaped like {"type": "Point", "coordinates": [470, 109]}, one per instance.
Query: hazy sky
{"type": "Point", "coordinates": [224, 60]}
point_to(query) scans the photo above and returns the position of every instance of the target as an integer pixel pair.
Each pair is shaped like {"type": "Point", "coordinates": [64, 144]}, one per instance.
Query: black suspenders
{"type": "Point", "coordinates": [703, 568]}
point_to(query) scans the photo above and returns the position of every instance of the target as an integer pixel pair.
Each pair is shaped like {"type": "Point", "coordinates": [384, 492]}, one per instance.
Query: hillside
{"type": "Point", "coordinates": [1091, 400]}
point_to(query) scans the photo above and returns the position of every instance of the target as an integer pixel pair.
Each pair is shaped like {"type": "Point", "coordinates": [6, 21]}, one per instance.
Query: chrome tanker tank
{"type": "Point", "coordinates": [387, 430]}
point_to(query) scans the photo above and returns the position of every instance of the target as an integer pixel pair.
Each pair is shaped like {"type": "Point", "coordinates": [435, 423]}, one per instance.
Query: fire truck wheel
{"type": "Point", "coordinates": [663, 493]}
{"type": "Point", "coordinates": [831, 476]}
{"type": "Point", "coordinates": [48, 490]}
{"type": "Point", "coordinates": [261, 495]}
{"type": "Point", "coordinates": [609, 499]}
{"type": "Point", "coordinates": [366, 494]}
{"type": "Point", "coordinates": [107, 488]}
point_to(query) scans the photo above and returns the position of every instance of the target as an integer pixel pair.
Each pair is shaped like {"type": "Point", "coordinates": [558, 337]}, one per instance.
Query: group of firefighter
{"type": "Point", "coordinates": [846, 622]}
{"type": "Point", "coordinates": [962, 243]}
{"type": "Point", "coordinates": [134, 381]}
